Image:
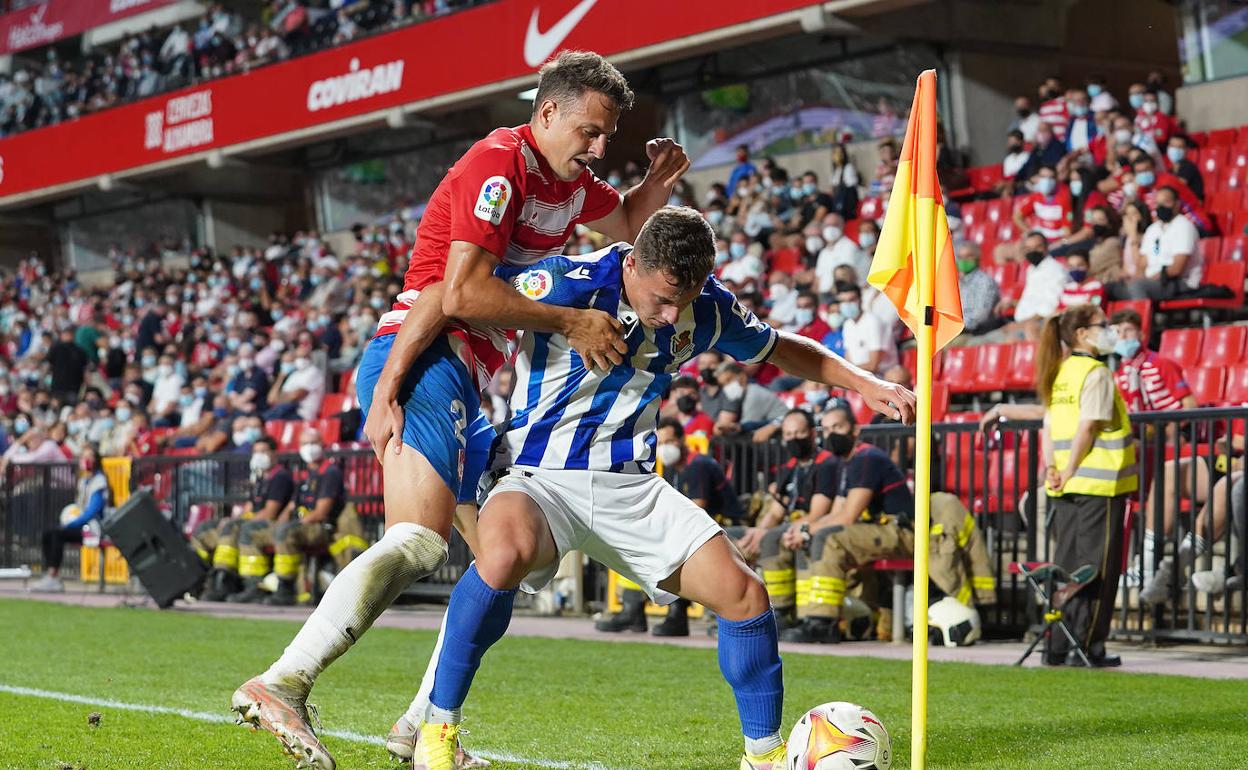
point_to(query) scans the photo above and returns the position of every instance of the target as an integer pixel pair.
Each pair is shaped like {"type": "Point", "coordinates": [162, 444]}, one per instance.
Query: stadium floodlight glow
{"type": "Point", "coordinates": [527, 96]}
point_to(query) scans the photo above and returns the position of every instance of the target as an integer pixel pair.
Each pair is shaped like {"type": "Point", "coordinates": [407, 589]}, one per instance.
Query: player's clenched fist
{"type": "Point", "coordinates": [668, 162]}
{"type": "Point", "coordinates": [596, 337]}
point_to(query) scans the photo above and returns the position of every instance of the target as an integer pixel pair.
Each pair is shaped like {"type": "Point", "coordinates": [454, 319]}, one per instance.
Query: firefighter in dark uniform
{"type": "Point", "coordinates": [217, 541]}
{"type": "Point", "coordinates": [870, 520]}
{"type": "Point", "coordinates": [801, 496]}
{"type": "Point", "coordinates": [322, 521]}
{"type": "Point", "coordinates": [1090, 470]}
{"type": "Point", "coordinates": [275, 488]}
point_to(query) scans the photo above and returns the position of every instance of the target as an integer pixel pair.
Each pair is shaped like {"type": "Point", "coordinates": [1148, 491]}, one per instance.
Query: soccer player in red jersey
{"type": "Point", "coordinates": [515, 196]}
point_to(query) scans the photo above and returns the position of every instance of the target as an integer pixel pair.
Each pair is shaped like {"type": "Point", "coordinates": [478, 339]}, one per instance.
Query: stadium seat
{"type": "Point", "coordinates": [1007, 231]}
{"type": "Point", "coordinates": [985, 178]}
{"type": "Point", "coordinates": [1222, 137]}
{"type": "Point", "coordinates": [329, 427]}
{"type": "Point", "coordinates": [940, 401]}
{"type": "Point", "coordinates": [1237, 157]}
{"type": "Point", "coordinates": [1200, 139]}
{"type": "Point", "coordinates": [862, 413]}
{"type": "Point", "coordinates": [973, 212]}
{"type": "Point", "coordinates": [333, 404]}
{"type": "Point", "coordinates": [1142, 306]}
{"type": "Point", "coordinates": [871, 208]}
{"type": "Point", "coordinates": [1211, 249]}
{"type": "Point", "coordinates": [1223, 200]}
{"type": "Point", "coordinates": [1234, 248]}
{"type": "Point", "coordinates": [959, 370]}
{"type": "Point", "coordinates": [998, 209]}
{"type": "Point", "coordinates": [275, 429]}
{"type": "Point", "coordinates": [1238, 223]}
{"type": "Point", "coordinates": [1207, 384]}
{"type": "Point", "coordinates": [288, 441]}
{"type": "Point", "coordinates": [1231, 181]}
{"type": "Point", "coordinates": [1223, 345]}
{"type": "Point", "coordinates": [1211, 161]}
{"type": "Point", "coordinates": [1228, 274]}
{"type": "Point", "coordinates": [1022, 367]}
{"type": "Point", "coordinates": [991, 367]}
{"type": "Point", "coordinates": [1236, 391]}
{"type": "Point", "coordinates": [1182, 346]}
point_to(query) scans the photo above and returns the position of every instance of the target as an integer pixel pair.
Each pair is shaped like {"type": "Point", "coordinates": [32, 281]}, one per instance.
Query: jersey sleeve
{"type": "Point", "coordinates": [280, 488]}
{"type": "Point", "coordinates": [600, 199]}
{"type": "Point", "coordinates": [742, 335]}
{"type": "Point", "coordinates": [486, 197]}
{"type": "Point", "coordinates": [331, 485]}
{"type": "Point", "coordinates": [565, 281]}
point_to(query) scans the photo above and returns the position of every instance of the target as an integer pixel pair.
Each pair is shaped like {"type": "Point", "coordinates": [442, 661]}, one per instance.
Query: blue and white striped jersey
{"type": "Point", "coordinates": [565, 416]}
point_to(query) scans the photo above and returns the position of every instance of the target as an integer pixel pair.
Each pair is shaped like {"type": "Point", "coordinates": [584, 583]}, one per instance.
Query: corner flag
{"type": "Point", "coordinates": [914, 268]}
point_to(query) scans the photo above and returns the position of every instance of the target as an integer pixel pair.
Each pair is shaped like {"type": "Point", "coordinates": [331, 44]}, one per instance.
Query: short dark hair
{"type": "Point", "coordinates": [1144, 158]}
{"type": "Point", "coordinates": [810, 418]}
{"type": "Point", "coordinates": [684, 381]}
{"type": "Point", "coordinates": [679, 241]}
{"type": "Point", "coordinates": [1171, 190]}
{"type": "Point", "coordinates": [673, 423]}
{"type": "Point", "coordinates": [568, 76]}
{"type": "Point", "coordinates": [845, 287]}
{"type": "Point", "coordinates": [841, 405]}
{"type": "Point", "coordinates": [1127, 316]}
{"type": "Point", "coordinates": [267, 441]}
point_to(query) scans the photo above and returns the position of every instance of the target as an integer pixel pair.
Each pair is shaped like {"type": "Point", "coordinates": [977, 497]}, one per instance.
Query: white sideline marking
{"type": "Point", "coordinates": [206, 716]}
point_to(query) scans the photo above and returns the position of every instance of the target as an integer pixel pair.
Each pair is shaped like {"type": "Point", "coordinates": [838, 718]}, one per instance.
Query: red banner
{"type": "Point", "coordinates": [495, 42]}
{"type": "Point", "coordinates": [52, 20]}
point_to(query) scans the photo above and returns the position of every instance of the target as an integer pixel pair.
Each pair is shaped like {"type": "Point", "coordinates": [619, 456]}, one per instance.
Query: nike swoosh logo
{"type": "Point", "coordinates": [538, 45]}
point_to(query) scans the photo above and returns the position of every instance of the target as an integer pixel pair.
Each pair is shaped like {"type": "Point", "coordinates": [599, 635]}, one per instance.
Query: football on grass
{"type": "Point", "coordinates": [839, 736]}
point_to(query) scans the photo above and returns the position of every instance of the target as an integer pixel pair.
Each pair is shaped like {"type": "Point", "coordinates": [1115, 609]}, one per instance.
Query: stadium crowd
{"type": "Point", "coordinates": [222, 42]}
{"type": "Point", "coordinates": [1096, 201]}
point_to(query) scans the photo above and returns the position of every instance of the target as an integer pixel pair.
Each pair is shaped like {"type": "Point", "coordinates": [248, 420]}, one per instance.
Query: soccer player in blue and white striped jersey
{"type": "Point", "coordinates": [572, 468]}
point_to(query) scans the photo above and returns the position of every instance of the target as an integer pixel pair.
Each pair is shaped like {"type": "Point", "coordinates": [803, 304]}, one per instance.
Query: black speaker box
{"type": "Point", "coordinates": [156, 551]}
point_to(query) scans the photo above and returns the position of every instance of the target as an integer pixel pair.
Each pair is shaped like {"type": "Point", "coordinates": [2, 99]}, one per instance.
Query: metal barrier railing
{"type": "Point", "coordinates": [1182, 457]}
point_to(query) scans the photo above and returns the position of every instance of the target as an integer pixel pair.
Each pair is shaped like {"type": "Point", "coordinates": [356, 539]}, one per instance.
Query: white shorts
{"type": "Point", "coordinates": [634, 523]}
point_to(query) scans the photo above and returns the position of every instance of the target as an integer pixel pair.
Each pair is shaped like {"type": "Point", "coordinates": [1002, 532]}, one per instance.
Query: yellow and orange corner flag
{"type": "Point", "coordinates": [914, 267]}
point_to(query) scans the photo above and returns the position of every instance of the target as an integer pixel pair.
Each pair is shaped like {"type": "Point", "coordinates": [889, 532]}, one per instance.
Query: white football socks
{"type": "Point", "coordinates": [757, 747]}
{"type": "Point", "coordinates": [356, 597]}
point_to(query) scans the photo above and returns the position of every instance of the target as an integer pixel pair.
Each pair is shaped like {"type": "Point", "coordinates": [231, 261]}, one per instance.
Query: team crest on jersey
{"type": "Point", "coordinates": [682, 344]}
{"type": "Point", "coordinates": [491, 204]}
{"type": "Point", "coordinates": [534, 284]}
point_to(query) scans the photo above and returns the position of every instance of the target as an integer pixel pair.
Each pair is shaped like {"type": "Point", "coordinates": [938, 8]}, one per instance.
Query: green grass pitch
{"type": "Point", "coordinates": [555, 703]}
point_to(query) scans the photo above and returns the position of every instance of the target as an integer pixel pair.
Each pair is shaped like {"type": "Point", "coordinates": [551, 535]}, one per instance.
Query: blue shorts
{"type": "Point", "coordinates": [441, 412]}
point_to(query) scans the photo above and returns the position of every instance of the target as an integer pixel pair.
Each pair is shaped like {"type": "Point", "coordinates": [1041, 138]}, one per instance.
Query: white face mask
{"type": "Point", "coordinates": [803, 316]}
{"type": "Point", "coordinates": [260, 463]}
{"type": "Point", "coordinates": [832, 234]}
{"type": "Point", "coordinates": [1122, 136]}
{"type": "Point", "coordinates": [311, 453]}
{"type": "Point", "coordinates": [734, 390]}
{"type": "Point", "coordinates": [866, 240]}
{"type": "Point", "coordinates": [669, 454]}
{"type": "Point", "coordinates": [1104, 340]}
{"type": "Point", "coordinates": [778, 291]}
{"type": "Point", "coordinates": [302, 363]}
{"type": "Point", "coordinates": [814, 244]}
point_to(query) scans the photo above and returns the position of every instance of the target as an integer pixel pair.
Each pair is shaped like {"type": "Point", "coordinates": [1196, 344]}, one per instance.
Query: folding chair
{"type": "Point", "coordinates": [1043, 578]}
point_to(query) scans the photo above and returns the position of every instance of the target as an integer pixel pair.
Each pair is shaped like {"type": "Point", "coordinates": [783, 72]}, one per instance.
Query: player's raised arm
{"type": "Point", "coordinates": [809, 360]}
{"type": "Point", "coordinates": [668, 163]}
{"type": "Point", "coordinates": [473, 293]}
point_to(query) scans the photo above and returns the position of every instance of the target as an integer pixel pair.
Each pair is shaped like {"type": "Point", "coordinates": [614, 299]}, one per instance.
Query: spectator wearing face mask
{"type": "Point", "coordinates": [1047, 150]}
{"type": "Point", "coordinates": [248, 386]}
{"type": "Point", "coordinates": [1178, 164]}
{"type": "Point", "coordinates": [1082, 288]}
{"type": "Point", "coordinates": [1048, 209]}
{"type": "Point", "coordinates": [1042, 290]}
{"type": "Point", "coordinates": [1026, 120]}
{"type": "Point", "coordinates": [868, 237]}
{"type": "Point", "coordinates": [815, 203]}
{"type": "Point", "coordinates": [711, 397]}
{"type": "Point", "coordinates": [1102, 99]}
{"type": "Point", "coordinates": [1148, 181]}
{"type": "Point", "coordinates": [886, 169]}
{"type": "Point", "coordinates": [1054, 111]}
{"type": "Point", "coordinates": [1104, 246]}
{"type": "Point", "coordinates": [838, 249]}
{"type": "Point", "coordinates": [69, 367]}
{"type": "Point", "coordinates": [1151, 121]}
{"type": "Point", "coordinates": [844, 183]}
{"type": "Point", "coordinates": [166, 393]}
{"type": "Point", "coordinates": [782, 298]}
{"type": "Point", "coordinates": [297, 390]}
{"type": "Point", "coordinates": [1168, 253]}
{"type": "Point", "coordinates": [749, 406]}
{"type": "Point", "coordinates": [979, 291]}
{"type": "Point", "coordinates": [744, 168]}
{"type": "Point", "coordinates": [868, 343]}
{"type": "Point", "coordinates": [683, 401]}
{"type": "Point", "coordinates": [1016, 155]}
{"type": "Point", "coordinates": [1081, 129]}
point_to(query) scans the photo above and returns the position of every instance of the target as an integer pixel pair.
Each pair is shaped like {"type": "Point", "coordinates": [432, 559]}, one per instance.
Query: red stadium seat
{"type": "Point", "coordinates": [1181, 346]}
{"type": "Point", "coordinates": [1022, 373]}
{"type": "Point", "coordinates": [329, 427]}
{"type": "Point", "coordinates": [1142, 306]}
{"type": "Point", "coordinates": [1211, 249]}
{"type": "Point", "coordinates": [333, 405]}
{"type": "Point", "coordinates": [1237, 157]}
{"type": "Point", "coordinates": [985, 178]}
{"type": "Point", "coordinates": [274, 429]}
{"type": "Point", "coordinates": [1207, 384]}
{"type": "Point", "coordinates": [288, 441]}
{"type": "Point", "coordinates": [992, 364]}
{"type": "Point", "coordinates": [1211, 161]}
{"type": "Point", "coordinates": [998, 209]}
{"type": "Point", "coordinates": [1234, 248]}
{"type": "Point", "coordinates": [1223, 345]}
{"type": "Point", "coordinates": [1228, 274]}
{"type": "Point", "coordinates": [1222, 137]}
{"type": "Point", "coordinates": [871, 208]}
{"type": "Point", "coordinates": [1232, 181]}
{"type": "Point", "coordinates": [1224, 200]}
{"type": "Point", "coordinates": [973, 212]}
{"type": "Point", "coordinates": [1236, 391]}
{"type": "Point", "coordinates": [1007, 231]}
{"type": "Point", "coordinates": [959, 370]}
{"type": "Point", "coordinates": [1238, 224]}
{"type": "Point", "coordinates": [940, 401]}
{"type": "Point", "coordinates": [862, 413]}
{"type": "Point", "coordinates": [1199, 138]}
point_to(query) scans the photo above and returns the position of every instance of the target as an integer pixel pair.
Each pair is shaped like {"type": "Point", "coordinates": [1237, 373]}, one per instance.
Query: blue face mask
{"type": "Point", "coordinates": [1094, 90]}
{"type": "Point", "coordinates": [1136, 101]}
{"type": "Point", "coordinates": [850, 310]}
{"type": "Point", "coordinates": [1126, 348]}
{"type": "Point", "coordinates": [1078, 275]}
{"type": "Point", "coordinates": [809, 188]}
{"type": "Point", "coordinates": [1076, 187]}
{"type": "Point", "coordinates": [1145, 178]}
{"type": "Point", "coordinates": [737, 250]}
{"type": "Point", "coordinates": [1045, 185]}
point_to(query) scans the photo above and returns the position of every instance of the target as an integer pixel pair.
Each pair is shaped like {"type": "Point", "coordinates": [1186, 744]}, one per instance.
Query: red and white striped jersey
{"type": "Point", "coordinates": [1150, 383]}
{"type": "Point", "coordinates": [502, 196]}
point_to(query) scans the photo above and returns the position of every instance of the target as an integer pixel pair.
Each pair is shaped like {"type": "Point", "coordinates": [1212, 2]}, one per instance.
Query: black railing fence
{"type": "Point", "coordinates": [1188, 462]}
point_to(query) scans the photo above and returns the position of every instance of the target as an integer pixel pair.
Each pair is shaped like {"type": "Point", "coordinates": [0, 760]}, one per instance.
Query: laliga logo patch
{"type": "Point", "coordinates": [492, 202]}
{"type": "Point", "coordinates": [534, 284]}
{"type": "Point", "coordinates": [682, 343]}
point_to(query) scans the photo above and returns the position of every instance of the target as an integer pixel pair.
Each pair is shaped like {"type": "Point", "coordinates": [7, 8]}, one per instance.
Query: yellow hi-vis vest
{"type": "Point", "coordinates": [1108, 469]}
